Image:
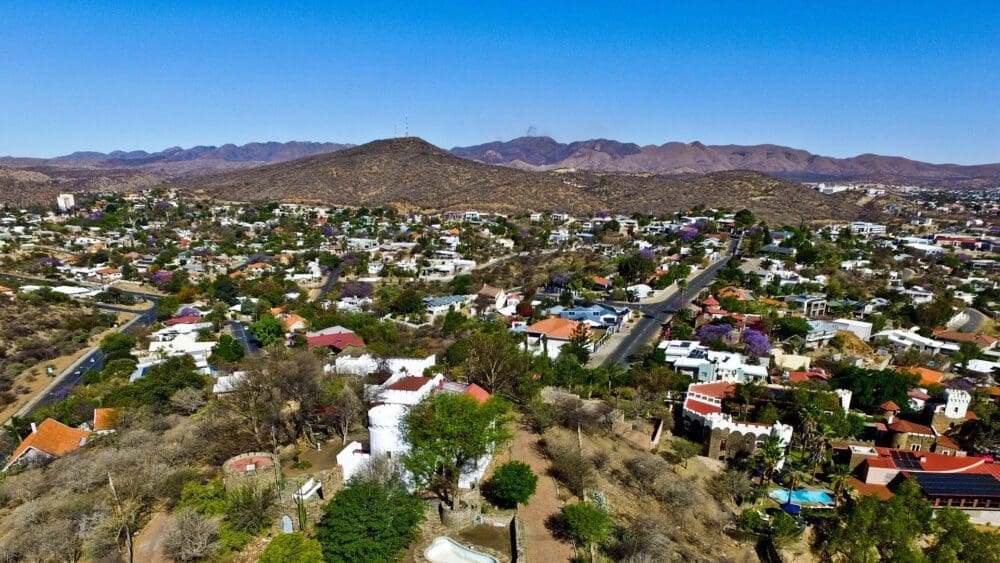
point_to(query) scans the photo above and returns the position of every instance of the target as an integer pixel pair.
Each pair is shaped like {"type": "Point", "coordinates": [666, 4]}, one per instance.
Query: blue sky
{"type": "Point", "coordinates": [915, 79]}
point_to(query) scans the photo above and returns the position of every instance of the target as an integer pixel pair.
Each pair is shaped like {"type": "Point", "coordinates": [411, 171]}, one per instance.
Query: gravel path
{"type": "Point", "coordinates": [542, 546]}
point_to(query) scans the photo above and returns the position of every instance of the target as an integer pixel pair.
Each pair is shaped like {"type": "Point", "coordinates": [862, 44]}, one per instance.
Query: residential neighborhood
{"type": "Point", "coordinates": [775, 376]}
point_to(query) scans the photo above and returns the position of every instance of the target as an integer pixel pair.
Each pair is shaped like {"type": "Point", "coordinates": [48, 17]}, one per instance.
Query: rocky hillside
{"type": "Point", "coordinates": [39, 185]}
{"type": "Point", "coordinates": [545, 153]}
{"type": "Point", "coordinates": [412, 173]}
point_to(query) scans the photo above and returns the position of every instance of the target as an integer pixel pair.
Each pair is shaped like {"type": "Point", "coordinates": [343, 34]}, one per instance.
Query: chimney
{"type": "Point", "coordinates": [890, 419]}
{"type": "Point", "coordinates": [34, 428]}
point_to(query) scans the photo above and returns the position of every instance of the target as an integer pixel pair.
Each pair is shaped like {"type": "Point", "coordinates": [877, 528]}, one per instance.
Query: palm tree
{"type": "Point", "coordinates": [839, 477]}
{"type": "Point", "coordinates": [769, 455]}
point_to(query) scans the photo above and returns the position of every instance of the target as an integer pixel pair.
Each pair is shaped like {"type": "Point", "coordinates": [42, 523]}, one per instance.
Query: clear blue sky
{"type": "Point", "coordinates": [915, 79]}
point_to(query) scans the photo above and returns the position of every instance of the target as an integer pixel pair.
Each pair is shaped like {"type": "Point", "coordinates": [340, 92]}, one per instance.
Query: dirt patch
{"type": "Point", "coordinates": [148, 543]}
{"type": "Point", "coordinates": [496, 538]}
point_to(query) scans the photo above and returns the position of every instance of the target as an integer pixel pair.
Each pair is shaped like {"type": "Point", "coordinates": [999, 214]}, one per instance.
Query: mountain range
{"type": "Point", "coordinates": [544, 153]}
{"type": "Point", "coordinates": [410, 173]}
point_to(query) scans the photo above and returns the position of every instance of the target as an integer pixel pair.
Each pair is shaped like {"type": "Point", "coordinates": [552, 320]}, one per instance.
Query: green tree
{"type": "Point", "coordinates": [226, 351]}
{"type": "Point", "coordinates": [586, 523]}
{"type": "Point", "coordinates": [292, 548]}
{"type": "Point", "coordinates": [268, 330]}
{"type": "Point", "coordinates": [787, 327]}
{"type": "Point", "coordinates": [447, 433]}
{"type": "Point", "coordinates": [636, 267]}
{"type": "Point", "coordinates": [454, 322]}
{"type": "Point", "coordinates": [512, 483]}
{"type": "Point", "coordinates": [685, 449]}
{"type": "Point", "coordinates": [579, 343]}
{"type": "Point", "coordinates": [409, 301]}
{"type": "Point", "coordinates": [117, 346]}
{"type": "Point", "coordinates": [369, 521]}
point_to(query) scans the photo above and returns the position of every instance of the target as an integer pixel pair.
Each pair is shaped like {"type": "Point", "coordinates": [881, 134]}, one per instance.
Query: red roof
{"type": "Point", "coordinates": [889, 406]}
{"type": "Point", "coordinates": [409, 383]}
{"type": "Point", "coordinates": [700, 407]}
{"type": "Point", "coordinates": [477, 393]}
{"type": "Point", "coordinates": [928, 461]}
{"type": "Point", "coordinates": [339, 340]}
{"type": "Point", "coordinates": [53, 438]}
{"type": "Point", "coordinates": [719, 390]}
{"type": "Point", "coordinates": [711, 301]}
{"type": "Point", "coordinates": [803, 376]}
{"type": "Point", "coordinates": [907, 427]}
{"type": "Point", "coordinates": [188, 320]}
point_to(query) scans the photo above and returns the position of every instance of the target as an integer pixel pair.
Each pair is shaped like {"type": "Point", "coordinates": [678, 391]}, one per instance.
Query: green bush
{"type": "Point", "coordinates": [292, 548]}
{"type": "Point", "coordinates": [512, 483]}
{"type": "Point", "coordinates": [208, 498]}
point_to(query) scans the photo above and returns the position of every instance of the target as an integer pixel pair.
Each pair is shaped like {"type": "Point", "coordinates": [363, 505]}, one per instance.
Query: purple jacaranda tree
{"type": "Point", "coordinates": [756, 343]}
{"type": "Point", "coordinates": [602, 215]}
{"type": "Point", "coordinates": [349, 259]}
{"type": "Point", "coordinates": [647, 253]}
{"type": "Point", "coordinates": [562, 280]}
{"type": "Point", "coordinates": [95, 216]}
{"type": "Point", "coordinates": [49, 261]}
{"type": "Point", "coordinates": [357, 289]}
{"type": "Point", "coordinates": [161, 276]}
{"type": "Point", "coordinates": [162, 204]}
{"type": "Point", "coordinates": [189, 312]}
{"type": "Point", "coordinates": [328, 231]}
{"type": "Point", "coordinates": [715, 333]}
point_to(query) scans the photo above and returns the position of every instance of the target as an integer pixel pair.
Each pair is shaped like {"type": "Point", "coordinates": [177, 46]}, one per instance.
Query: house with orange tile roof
{"type": "Point", "coordinates": [106, 420]}
{"type": "Point", "coordinates": [47, 441]}
{"type": "Point", "coordinates": [292, 322]}
{"type": "Point", "coordinates": [548, 336]}
{"type": "Point", "coordinates": [927, 376]}
{"type": "Point", "coordinates": [4, 290]}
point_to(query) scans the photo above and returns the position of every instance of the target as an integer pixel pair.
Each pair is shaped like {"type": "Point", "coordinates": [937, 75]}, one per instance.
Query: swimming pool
{"type": "Point", "coordinates": [447, 550]}
{"type": "Point", "coordinates": [802, 496]}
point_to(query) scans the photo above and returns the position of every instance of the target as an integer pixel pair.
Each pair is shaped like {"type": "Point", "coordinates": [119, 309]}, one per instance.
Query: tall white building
{"type": "Point", "coordinates": [66, 202]}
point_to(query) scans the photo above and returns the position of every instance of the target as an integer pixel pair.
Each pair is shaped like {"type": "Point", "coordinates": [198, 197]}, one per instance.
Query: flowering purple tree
{"type": "Point", "coordinates": [602, 215]}
{"type": "Point", "coordinates": [562, 280]}
{"type": "Point", "coordinates": [328, 231]}
{"type": "Point", "coordinates": [756, 343]}
{"type": "Point", "coordinates": [349, 259]}
{"type": "Point", "coordinates": [647, 253]}
{"type": "Point", "coordinates": [715, 333]}
{"type": "Point", "coordinates": [688, 234]}
{"type": "Point", "coordinates": [357, 289]}
{"type": "Point", "coordinates": [189, 312]}
{"type": "Point", "coordinates": [95, 216]}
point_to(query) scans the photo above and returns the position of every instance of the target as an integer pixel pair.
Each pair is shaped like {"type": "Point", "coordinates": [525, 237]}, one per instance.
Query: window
{"type": "Point", "coordinates": [914, 447]}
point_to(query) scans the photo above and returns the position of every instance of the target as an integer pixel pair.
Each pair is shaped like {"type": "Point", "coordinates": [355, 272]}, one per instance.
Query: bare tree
{"type": "Point", "coordinates": [191, 536]}
{"type": "Point", "coordinates": [188, 400]}
{"type": "Point", "coordinates": [347, 407]}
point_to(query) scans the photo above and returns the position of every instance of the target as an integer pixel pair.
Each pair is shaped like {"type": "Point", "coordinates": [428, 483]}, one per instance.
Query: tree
{"type": "Point", "coordinates": [454, 322]}
{"type": "Point", "coordinates": [744, 218]}
{"type": "Point", "coordinates": [226, 351]}
{"type": "Point", "coordinates": [636, 267]}
{"type": "Point", "coordinates": [249, 507]}
{"type": "Point", "coordinates": [347, 409]}
{"type": "Point", "coordinates": [579, 343]}
{"type": "Point", "coordinates": [512, 483]}
{"type": "Point", "coordinates": [369, 521]}
{"type": "Point", "coordinates": [732, 486]}
{"type": "Point", "coordinates": [769, 454]}
{"type": "Point", "coordinates": [787, 327]}
{"type": "Point", "coordinates": [958, 540]}
{"type": "Point", "coordinates": [292, 548]}
{"type": "Point", "coordinates": [449, 432]}
{"type": "Point", "coordinates": [409, 301]}
{"type": "Point", "coordinates": [117, 346]}
{"type": "Point", "coordinates": [188, 400]}
{"type": "Point", "coordinates": [685, 449]}
{"type": "Point", "coordinates": [191, 536]}
{"type": "Point", "coordinates": [495, 362]}
{"type": "Point", "coordinates": [268, 330]}
{"type": "Point", "coordinates": [586, 523]}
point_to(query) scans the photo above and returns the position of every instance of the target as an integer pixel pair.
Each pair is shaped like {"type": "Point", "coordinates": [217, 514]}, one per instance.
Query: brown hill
{"type": "Point", "coordinates": [412, 173]}
{"type": "Point", "coordinates": [39, 185]}
{"type": "Point", "coordinates": [688, 158]}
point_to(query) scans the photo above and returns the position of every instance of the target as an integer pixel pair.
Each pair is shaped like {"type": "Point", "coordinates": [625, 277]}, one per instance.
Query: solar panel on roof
{"type": "Point", "coordinates": [959, 484]}
{"type": "Point", "coordinates": [906, 461]}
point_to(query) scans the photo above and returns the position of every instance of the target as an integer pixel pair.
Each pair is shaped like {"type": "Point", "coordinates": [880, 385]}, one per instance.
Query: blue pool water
{"type": "Point", "coordinates": [801, 496]}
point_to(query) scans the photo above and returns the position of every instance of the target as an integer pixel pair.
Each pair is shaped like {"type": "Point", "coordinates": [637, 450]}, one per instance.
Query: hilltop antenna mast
{"type": "Point", "coordinates": [406, 125]}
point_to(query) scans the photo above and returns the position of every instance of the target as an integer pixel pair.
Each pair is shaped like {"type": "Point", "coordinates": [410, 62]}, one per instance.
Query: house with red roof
{"type": "Point", "coordinates": [47, 441]}
{"type": "Point", "coordinates": [723, 437]}
{"type": "Point", "coordinates": [337, 342]}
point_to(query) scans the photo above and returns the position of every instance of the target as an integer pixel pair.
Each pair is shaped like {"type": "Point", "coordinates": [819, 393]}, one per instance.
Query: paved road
{"type": "Point", "coordinates": [242, 335]}
{"type": "Point", "coordinates": [975, 321]}
{"type": "Point", "coordinates": [655, 314]}
{"type": "Point", "coordinates": [331, 279]}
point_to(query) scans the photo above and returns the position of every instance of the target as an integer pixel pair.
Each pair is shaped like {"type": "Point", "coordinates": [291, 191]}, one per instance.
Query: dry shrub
{"type": "Point", "coordinates": [568, 463]}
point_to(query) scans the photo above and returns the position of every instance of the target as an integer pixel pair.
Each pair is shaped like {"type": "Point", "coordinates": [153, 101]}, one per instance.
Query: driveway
{"type": "Point", "coordinates": [541, 545]}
